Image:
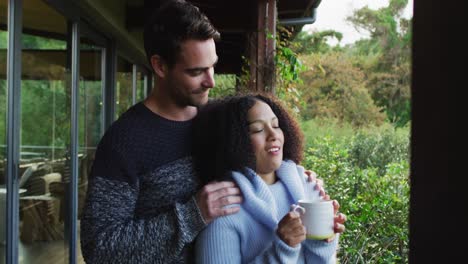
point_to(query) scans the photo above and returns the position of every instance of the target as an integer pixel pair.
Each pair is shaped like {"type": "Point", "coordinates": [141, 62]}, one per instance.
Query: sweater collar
{"type": "Point", "coordinates": [258, 199]}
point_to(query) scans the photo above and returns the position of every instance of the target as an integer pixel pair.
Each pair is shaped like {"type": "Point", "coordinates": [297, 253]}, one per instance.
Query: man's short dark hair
{"type": "Point", "coordinates": [174, 22]}
{"type": "Point", "coordinates": [221, 139]}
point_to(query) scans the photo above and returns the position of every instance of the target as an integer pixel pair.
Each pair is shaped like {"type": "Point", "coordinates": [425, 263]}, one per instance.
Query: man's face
{"type": "Point", "coordinates": [192, 76]}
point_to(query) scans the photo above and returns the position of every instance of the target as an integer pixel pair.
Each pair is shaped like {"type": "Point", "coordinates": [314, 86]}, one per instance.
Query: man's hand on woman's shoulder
{"type": "Point", "coordinates": [213, 198]}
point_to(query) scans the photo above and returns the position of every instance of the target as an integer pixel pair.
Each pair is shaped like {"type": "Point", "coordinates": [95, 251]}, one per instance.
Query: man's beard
{"type": "Point", "coordinates": [184, 100]}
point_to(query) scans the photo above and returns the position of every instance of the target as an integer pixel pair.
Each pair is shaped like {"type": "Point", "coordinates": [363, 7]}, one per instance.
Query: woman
{"type": "Point", "coordinates": [254, 141]}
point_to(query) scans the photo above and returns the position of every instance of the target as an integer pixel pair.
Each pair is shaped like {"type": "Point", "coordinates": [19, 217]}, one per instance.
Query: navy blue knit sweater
{"type": "Point", "coordinates": [139, 206]}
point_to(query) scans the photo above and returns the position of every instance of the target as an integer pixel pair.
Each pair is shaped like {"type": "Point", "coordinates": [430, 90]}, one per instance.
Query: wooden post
{"type": "Point", "coordinates": [262, 48]}
{"type": "Point", "coordinates": [253, 66]}
{"type": "Point", "coordinates": [269, 73]}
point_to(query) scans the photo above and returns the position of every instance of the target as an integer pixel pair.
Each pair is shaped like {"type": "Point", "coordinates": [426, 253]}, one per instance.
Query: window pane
{"type": "Point", "coordinates": [140, 87]}
{"type": "Point", "coordinates": [123, 93]}
{"type": "Point", "coordinates": [44, 135]}
{"type": "Point", "coordinates": [3, 106]}
{"type": "Point", "coordinates": [90, 115]}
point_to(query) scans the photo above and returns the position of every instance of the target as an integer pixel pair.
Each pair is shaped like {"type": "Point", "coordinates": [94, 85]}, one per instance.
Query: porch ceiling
{"type": "Point", "coordinates": [234, 20]}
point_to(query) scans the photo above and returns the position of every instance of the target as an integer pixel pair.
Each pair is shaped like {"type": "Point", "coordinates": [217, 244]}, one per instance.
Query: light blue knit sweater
{"type": "Point", "coordinates": [249, 236]}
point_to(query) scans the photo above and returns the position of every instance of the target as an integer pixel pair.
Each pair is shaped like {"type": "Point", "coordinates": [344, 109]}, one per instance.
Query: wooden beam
{"type": "Point", "coordinates": [262, 48]}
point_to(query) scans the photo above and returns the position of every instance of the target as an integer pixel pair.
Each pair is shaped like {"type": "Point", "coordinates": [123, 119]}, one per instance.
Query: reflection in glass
{"type": "Point", "coordinates": [3, 108]}
{"type": "Point", "coordinates": [123, 93]}
{"type": "Point", "coordinates": [90, 115]}
{"type": "Point", "coordinates": [140, 86]}
{"type": "Point", "coordinates": [44, 136]}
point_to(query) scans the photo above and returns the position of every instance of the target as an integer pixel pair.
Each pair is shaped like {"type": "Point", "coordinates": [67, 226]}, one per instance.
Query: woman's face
{"type": "Point", "coordinates": [267, 138]}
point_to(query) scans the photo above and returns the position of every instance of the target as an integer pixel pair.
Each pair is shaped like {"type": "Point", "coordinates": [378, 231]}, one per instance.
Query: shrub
{"type": "Point", "coordinates": [368, 174]}
{"type": "Point", "coordinates": [379, 148]}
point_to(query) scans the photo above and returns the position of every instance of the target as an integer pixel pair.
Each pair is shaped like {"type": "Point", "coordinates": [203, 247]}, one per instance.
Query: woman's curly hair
{"type": "Point", "coordinates": [221, 139]}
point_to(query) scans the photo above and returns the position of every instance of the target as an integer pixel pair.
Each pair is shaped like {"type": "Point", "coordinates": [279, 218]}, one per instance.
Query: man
{"type": "Point", "coordinates": [143, 203]}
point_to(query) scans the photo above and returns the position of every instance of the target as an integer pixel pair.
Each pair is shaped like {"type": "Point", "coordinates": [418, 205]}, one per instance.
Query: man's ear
{"type": "Point", "coordinates": [159, 66]}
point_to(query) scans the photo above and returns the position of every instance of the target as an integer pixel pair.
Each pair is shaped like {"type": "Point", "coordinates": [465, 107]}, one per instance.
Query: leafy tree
{"type": "Point", "coordinates": [44, 102]}
{"type": "Point", "coordinates": [389, 47]}
{"type": "Point", "coordinates": [381, 65]}
{"type": "Point", "coordinates": [315, 42]}
{"type": "Point", "coordinates": [334, 87]}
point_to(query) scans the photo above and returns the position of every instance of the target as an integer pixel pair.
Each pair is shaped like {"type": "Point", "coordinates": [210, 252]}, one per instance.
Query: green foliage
{"type": "Point", "coordinates": [376, 202]}
{"type": "Point", "coordinates": [333, 87]}
{"type": "Point", "coordinates": [90, 113]}
{"type": "Point", "coordinates": [326, 127]}
{"type": "Point", "coordinates": [390, 75]}
{"type": "Point", "coordinates": [243, 79]}
{"type": "Point", "coordinates": [378, 148]}
{"type": "Point", "coordinates": [225, 85]}
{"type": "Point", "coordinates": [391, 90]}
{"type": "Point", "coordinates": [36, 42]}
{"type": "Point", "coordinates": [3, 39]}
{"type": "Point", "coordinates": [3, 92]}
{"type": "Point", "coordinates": [288, 68]}
{"type": "Point", "coordinates": [3, 117]}
{"type": "Point", "coordinates": [364, 82]}
{"type": "Point", "coordinates": [315, 42]}
{"type": "Point", "coordinates": [44, 102]}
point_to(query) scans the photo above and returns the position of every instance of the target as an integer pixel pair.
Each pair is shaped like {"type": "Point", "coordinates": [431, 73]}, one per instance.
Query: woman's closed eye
{"type": "Point", "coordinates": [257, 127]}
{"type": "Point", "coordinates": [254, 130]}
{"type": "Point", "coordinates": [275, 124]}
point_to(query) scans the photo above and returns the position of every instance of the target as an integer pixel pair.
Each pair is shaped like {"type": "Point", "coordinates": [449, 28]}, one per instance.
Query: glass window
{"type": "Point", "coordinates": [44, 135]}
{"type": "Point", "coordinates": [90, 114]}
{"type": "Point", "coordinates": [124, 91]}
{"type": "Point", "coordinates": [140, 85]}
{"type": "Point", "coordinates": [3, 107]}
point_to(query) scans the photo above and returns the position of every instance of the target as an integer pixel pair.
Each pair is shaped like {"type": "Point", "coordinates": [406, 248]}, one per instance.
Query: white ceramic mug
{"type": "Point", "coordinates": [317, 216]}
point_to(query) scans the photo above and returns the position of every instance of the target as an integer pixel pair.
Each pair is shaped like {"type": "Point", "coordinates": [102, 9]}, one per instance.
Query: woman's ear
{"type": "Point", "coordinates": [159, 66]}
